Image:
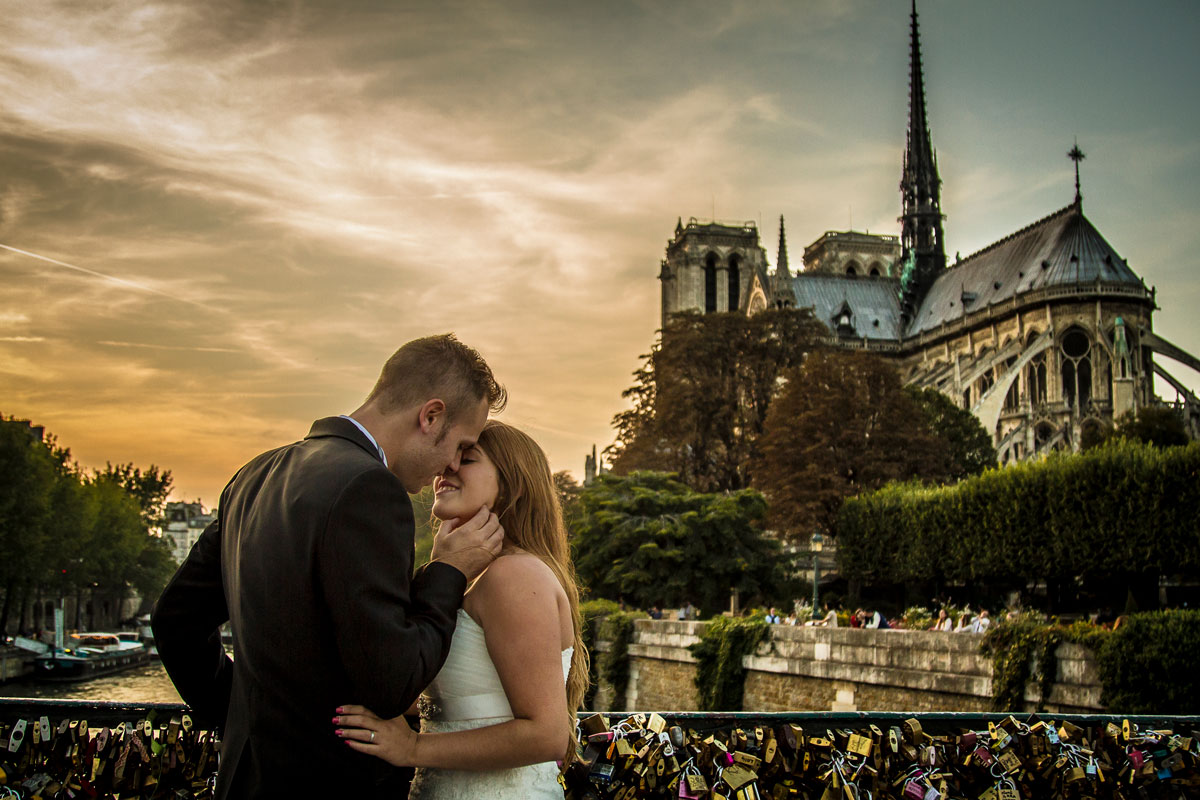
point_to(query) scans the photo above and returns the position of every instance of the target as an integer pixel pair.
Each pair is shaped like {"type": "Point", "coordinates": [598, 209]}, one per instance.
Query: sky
{"type": "Point", "coordinates": [218, 219]}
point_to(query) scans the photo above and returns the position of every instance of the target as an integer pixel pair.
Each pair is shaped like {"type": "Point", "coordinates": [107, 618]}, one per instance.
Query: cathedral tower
{"type": "Point", "coordinates": [923, 251]}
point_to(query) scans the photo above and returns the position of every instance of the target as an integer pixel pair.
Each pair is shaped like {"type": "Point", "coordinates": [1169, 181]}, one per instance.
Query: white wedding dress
{"type": "Point", "coordinates": [467, 694]}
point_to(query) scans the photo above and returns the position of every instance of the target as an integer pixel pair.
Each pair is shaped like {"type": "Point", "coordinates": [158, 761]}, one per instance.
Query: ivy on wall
{"type": "Point", "coordinates": [593, 613]}
{"type": "Point", "coordinates": [720, 677]}
{"type": "Point", "coordinates": [603, 619]}
{"type": "Point", "coordinates": [614, 665]}
{"type": "Point", "coordinates": [1146, 664]}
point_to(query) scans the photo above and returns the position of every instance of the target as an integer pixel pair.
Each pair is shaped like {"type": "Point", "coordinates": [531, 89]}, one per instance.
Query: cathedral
{"type": "Point", "coordinates": [1042, 335]}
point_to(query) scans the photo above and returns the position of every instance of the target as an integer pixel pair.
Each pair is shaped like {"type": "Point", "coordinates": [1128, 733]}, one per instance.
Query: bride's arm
{"type": "Point", "coordinates": [516, 601]}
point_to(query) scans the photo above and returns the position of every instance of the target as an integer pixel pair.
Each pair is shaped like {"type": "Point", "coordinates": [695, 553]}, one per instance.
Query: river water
{"type": "Point", "coordinates": [147, 684]}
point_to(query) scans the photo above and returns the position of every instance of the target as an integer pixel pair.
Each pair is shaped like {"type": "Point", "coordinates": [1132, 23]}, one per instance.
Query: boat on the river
{"type": "Point", "coordinates": [91, 655]}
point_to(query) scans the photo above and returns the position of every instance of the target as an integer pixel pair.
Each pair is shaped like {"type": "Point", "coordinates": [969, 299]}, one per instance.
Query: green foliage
{"type": "Point", "coordinates": [593, 613]}
{"type": "Point", "coordinates": [1155, 425]}
{"type": "Point", "coordinates": [568, 497]}
{"type": "Point", "coordinates": [969, 445]}
{"type": "Point", "coordinates": [64, 532]}
{"type": "Point", "coordinates": [1015, 645]}
{"type": "Point", "coordinates": [841, 425]}
{"type": "Point", "coordinates": [701, 398]}
{"type": "Point", "coordinates": [648, 539]}
{"type": "Point", "coordinates": [1147, 665]}
{"type": "Point", "coordinates": [618, 629]}
{"type": "Point", "coordinates": [1120, 510]}
{"type": "Point", "coordinates": [916, 618]}
{"type": "Point", "coordinates": [423, 528]}
{"type": "Point", "coordinates": [720, 676]}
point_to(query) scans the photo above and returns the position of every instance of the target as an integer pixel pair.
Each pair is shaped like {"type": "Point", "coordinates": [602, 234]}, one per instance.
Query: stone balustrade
{"type": "Point", "coordinates": [842, 670]}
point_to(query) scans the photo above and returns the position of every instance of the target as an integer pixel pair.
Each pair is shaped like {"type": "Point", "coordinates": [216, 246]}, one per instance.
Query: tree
{"type": "Point", "coordinates": [648, 539]}
{"type": "Point", "coordinates": [423, 524]}
{"type": "Point", "coordinates": [26, 474]}
{"type": "Point", "coordinates": [1155, 425]}
{"type": "Point", "coordinates": [701, 398]}
{"type": "Point", "coordinates": [568, 498]}
{"type": "Point", "coordinates": [841, 425]}
{"type": "Point", "coordinates": [970, 446]}
{"type": "Point", "coordinates": [150, 488]}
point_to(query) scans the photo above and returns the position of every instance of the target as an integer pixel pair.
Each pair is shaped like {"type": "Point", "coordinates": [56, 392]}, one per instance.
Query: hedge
{"type": "Point", "coordinates": [1125, 508]}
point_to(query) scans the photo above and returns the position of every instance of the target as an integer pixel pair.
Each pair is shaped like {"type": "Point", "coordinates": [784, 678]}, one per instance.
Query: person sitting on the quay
{"type": "Point", "coordinates": [981, 623]}
{"type": "Point", "coordinates": [876, 621]}
{"type": "Point", "coordinates": [965, 619]}
{"type": "Point", "coordinates": [830, 619]}
{"type": "Point", "coordinates": [773, 617]}
{"type": "Point", "coordinates": [857, 618]}
{"type": "Point", "coordinates": [655, 612]}
{"type": "Point", "coordinates": [943, 622]}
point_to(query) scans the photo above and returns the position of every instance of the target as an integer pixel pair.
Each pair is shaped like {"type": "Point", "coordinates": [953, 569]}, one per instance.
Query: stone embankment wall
{"type": "Point", "coordinates": [841, 669]}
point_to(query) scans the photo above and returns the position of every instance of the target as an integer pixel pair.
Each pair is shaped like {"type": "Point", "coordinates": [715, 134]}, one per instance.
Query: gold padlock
{"type": "Point", "coordinates": [860, 745]}
{"type": "Point", "coordinates": [736, 776]}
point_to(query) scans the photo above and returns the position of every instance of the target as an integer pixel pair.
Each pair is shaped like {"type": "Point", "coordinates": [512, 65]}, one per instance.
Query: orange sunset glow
{"type": "Point", "coordinates": [217, 220]}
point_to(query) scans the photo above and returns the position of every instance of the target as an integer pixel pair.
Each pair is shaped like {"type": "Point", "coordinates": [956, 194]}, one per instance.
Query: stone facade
{"type": "Point", "coordinates": [714, 267]}
{"type": "Point", "coordinates": [844, 669]}
{"type": "Point", "coordinates": [855, 254]}
{"type": "Point", "coordinates": [1043, 335]}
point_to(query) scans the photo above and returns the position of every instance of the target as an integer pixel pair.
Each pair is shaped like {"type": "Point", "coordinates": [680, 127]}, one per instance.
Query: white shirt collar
{"type": "Point", "coordinates": [367, 433]}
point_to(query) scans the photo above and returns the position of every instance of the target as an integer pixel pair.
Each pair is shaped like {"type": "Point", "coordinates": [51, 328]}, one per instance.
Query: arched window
{"type": "Point", "coordinates": [1035, 378]}
{"type": "Point", "coordinates": [710, 283]}
{"type": "Point", "coordinates": [876, 270]}
{"type": "Point", "coordinates": [1013, 397]}
{"type": "Point", "coordinates": [852, 268]}
{"type": "Point", "coordinates": [735, 283]}
{"type": "Point", "coordinates": [1076, 347]}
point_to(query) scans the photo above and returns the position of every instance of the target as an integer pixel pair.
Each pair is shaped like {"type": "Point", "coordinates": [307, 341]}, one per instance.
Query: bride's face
{"type": "Point", "coordinates": [460, 494]}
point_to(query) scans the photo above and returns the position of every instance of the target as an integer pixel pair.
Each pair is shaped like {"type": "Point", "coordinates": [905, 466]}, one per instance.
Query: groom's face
{"type": "Point", "coordinates": [444, 451]}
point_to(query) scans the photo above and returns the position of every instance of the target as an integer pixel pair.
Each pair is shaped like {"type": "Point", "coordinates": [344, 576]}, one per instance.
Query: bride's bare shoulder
{"type": "Point", "coordinates": [516, 575]}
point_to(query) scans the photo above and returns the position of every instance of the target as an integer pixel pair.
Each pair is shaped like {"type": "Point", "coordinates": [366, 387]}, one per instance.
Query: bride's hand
{"type": "Point", "coordinates": [390, 739]}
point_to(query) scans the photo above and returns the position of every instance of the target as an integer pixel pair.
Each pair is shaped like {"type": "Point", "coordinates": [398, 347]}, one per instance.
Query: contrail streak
{"type": "Point", "coordinates": [94, 274]}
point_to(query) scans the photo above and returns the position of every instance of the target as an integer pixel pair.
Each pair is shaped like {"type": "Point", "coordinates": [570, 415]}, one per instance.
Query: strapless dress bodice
{"type": "Point", "coordinates": [466, 694]}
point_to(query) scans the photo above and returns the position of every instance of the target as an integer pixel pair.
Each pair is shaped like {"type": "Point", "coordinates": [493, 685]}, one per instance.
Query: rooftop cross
{"type": "Point", "coordinates": [1076, 155]}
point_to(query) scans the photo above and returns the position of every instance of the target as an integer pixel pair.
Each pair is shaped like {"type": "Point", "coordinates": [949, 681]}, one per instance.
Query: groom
{"type": "Point", "coordinates": [311, 561]}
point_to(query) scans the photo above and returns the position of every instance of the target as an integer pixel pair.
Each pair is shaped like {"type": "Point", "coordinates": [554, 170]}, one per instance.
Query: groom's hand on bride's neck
{"type": "Point", "coordinates": [469, 545]}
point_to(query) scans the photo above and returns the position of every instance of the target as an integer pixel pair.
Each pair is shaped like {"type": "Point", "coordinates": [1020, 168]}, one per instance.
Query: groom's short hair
{"type": "Point", "coordinates": [437, 366]}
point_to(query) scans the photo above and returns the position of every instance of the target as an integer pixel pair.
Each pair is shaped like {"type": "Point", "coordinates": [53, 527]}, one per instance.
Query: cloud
{"type": "Point", "coordinates": [228, 214]}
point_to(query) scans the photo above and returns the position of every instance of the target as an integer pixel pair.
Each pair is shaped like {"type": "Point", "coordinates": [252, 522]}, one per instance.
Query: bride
{"type": "Point", "coordinates": [503, 705]}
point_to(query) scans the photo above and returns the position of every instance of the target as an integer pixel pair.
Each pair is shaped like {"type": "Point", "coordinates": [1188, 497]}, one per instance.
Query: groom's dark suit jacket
{"type": "Point", "coordinates": [310, 560]}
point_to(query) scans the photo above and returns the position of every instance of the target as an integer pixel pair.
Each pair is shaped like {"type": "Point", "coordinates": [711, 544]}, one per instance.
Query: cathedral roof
{"type": "Point", "coordinates": [1063, 249]}
{"type": "Point", "coordinates": [873, 303]}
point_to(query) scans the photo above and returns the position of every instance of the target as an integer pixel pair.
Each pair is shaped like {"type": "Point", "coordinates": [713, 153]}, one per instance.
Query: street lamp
{"type": "Point", "coordinates": [817, 540]}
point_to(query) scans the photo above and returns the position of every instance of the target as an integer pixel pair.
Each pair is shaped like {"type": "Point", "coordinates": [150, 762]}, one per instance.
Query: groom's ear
{"type": "Point", "coordinates": [432, 415]}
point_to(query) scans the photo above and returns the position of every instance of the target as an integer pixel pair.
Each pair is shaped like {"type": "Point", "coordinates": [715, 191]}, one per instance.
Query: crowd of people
{"type": "Point", "coordinates": [967, 622]}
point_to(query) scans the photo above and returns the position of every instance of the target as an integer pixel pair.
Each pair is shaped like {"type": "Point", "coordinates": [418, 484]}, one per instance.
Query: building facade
{"type": "Point", "coordinates": [1043, 335]}
{"type": "Point", "coordinates": [185, 522]}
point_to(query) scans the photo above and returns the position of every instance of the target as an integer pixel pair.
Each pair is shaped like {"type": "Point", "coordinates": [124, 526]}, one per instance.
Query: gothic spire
{"type": "Point", "coordinates": [781, 261]}
{"type": "Point", "coordinates": [923, 251]}
{"type": "Point", "coordinates": [919, 162]}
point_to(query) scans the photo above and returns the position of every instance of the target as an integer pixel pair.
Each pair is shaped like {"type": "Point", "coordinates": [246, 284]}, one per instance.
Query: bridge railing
{"type": "Point", "coordinates": [742, 755]}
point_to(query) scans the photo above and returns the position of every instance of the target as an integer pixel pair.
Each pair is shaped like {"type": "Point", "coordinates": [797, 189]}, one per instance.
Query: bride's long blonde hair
{"type": "Point", "coordinates": [529, 509]}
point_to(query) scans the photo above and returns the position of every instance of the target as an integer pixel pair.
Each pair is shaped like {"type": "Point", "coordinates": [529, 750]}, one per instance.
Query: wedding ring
{"type": "Point", "coordinates": [372, 737]}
